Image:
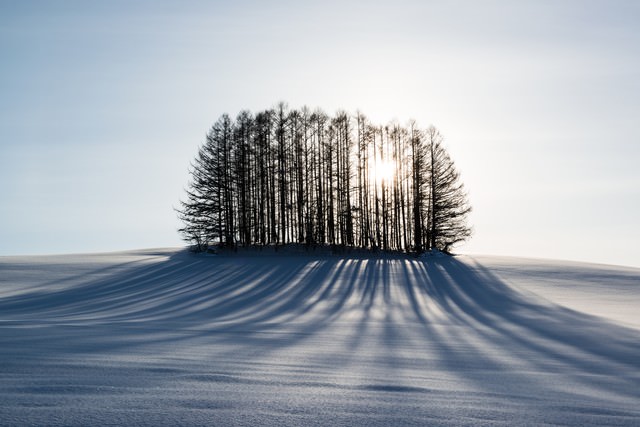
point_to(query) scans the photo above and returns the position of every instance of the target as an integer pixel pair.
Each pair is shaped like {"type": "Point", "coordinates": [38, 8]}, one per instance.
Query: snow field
{"type": "Point", "coordinates": [165, 337]}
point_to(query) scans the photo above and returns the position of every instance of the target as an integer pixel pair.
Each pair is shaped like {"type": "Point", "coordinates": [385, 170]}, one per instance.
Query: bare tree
{"type": "Point", "coordinates": [205, 213]}
{"type": "Point", "coordinates": [291, 176]}
{"type": "Point", "coordinates": [448, 205]}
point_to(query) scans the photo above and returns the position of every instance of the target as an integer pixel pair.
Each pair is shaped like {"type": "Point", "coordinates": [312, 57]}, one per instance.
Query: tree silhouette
{"type": "Point", "coordinates": [448, 207]}
{"type": "Point", "coordinates": [296, 176]}
{"type": "Point", "coordinates": [206, 213]}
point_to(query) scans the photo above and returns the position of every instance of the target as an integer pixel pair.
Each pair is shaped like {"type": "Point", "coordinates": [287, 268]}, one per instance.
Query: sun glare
{"type": "Point", "coordinates": [383, 171]}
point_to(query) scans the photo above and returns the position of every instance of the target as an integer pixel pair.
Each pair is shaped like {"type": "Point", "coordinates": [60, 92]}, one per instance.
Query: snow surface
{"type": "Point", "coordinates": [165, 337]}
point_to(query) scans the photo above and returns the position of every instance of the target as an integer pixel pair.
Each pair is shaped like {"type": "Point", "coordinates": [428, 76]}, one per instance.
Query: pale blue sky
{"type": "Point", "coordinates": [104, 104]}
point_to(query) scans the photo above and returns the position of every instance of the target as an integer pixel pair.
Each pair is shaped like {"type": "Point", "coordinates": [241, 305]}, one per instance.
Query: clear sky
{"type": "Point", "coordinates": [104, 104]}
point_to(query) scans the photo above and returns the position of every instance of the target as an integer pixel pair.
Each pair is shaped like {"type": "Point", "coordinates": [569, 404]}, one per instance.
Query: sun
{"type": "Point", "coordinates": [383, 171]}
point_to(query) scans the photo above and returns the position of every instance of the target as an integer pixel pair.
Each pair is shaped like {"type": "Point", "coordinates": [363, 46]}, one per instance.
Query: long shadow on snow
{"type": "Point", "coordinates": [481, 298]}
{"type": "Point", "coordinates": [239, 301]}
{"type": "Point", "coordinates": [186, 296]}
{"type": "Point", "coordinates": [513, 333]}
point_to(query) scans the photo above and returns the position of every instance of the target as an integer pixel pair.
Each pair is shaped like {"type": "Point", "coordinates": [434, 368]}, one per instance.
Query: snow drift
{"type": "Point", "coordinates": [167, 337]}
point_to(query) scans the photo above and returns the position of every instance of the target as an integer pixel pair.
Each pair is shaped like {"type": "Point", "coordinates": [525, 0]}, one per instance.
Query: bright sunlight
{"type": "Point", "coordinates": [383, 171]}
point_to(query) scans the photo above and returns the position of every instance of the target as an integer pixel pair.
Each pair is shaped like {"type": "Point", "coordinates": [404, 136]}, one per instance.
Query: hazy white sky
{"type": "Point", "coordinates": [104, 104]}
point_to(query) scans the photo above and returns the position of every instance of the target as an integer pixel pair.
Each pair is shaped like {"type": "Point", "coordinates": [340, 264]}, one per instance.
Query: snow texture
{"type": "Point", "coordinates": [166, 337]}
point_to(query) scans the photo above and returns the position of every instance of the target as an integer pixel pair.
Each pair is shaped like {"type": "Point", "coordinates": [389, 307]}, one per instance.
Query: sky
{"type": "Point", "coordinates": [104, 104]}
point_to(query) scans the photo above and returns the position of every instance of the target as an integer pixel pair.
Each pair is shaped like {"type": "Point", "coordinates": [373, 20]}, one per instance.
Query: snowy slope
{"type": "Point", "coordinates": [166, 337]}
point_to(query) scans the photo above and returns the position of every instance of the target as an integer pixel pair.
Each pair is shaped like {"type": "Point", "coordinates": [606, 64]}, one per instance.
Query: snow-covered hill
{"type": "Point", "coordinates": [165, 337]}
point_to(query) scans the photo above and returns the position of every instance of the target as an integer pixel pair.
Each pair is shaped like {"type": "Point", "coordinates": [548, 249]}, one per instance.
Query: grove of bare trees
{"type": "Point", "coordinates": [298, 176]}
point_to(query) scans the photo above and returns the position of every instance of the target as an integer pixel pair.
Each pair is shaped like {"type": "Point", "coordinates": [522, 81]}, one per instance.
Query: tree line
{"type": "Point", "coordinates": [299, 176]}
